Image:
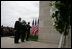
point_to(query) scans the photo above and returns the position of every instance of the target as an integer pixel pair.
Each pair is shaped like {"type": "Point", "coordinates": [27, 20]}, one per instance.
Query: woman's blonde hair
{"type": "Point", "coordinates": [24, 22]}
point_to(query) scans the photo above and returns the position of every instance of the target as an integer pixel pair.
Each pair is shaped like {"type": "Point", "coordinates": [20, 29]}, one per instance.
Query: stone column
{"type": "Point", "coordinates": [47, 32]}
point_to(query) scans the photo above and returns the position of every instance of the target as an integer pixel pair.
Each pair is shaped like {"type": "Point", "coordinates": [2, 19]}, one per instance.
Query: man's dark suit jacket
{"type": "Point", "coordinates": [17, 26]}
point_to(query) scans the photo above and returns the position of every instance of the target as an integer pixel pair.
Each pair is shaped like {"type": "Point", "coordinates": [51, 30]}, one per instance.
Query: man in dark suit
{"type": "Point", "coordinates": [17, 28]}
{"type": "Point", "coordinates": [28, 31]}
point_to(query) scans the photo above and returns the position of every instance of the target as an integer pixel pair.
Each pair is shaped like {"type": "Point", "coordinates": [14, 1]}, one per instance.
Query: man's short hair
{"type": "Point", "coordinates": [28, 22]}
{"type": "Point", "coordinates": [19, 18]}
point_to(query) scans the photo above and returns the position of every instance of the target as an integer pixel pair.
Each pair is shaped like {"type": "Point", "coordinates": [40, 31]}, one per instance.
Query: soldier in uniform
{"type": "Point", "coordinates": [28, 31]}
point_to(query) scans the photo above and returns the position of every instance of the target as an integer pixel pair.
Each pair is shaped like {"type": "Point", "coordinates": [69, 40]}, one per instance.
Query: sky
{"type": "Point", "coordinates": [12, 10]}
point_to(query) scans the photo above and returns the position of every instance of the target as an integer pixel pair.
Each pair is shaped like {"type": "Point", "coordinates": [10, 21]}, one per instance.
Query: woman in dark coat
{"type": "Point", "coordinates": [23, 31]}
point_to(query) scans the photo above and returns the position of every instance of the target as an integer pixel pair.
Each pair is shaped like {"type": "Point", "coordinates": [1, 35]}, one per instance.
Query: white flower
{"type": "Point", "coordinates": [52, 19]}
{"type": "Point", "coordinates": [53, 23]}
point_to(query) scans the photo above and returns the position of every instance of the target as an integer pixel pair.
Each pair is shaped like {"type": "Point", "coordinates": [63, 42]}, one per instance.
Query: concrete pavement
{"type": "Point", "coordinates": [8, 42]}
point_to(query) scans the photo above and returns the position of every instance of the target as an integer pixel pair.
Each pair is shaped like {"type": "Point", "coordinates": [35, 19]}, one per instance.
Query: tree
{"type": "Point", "coordinates": [62, 17]}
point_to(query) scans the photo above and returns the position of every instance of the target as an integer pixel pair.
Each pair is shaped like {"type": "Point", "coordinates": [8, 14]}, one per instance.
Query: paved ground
{"type": "Point", "coordinates": [8, 42]}
{"type": "Point", "coordinates": [68, 41]}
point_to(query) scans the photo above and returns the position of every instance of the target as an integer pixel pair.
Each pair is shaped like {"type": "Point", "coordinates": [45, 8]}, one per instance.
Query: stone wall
{"type": "Point", "coordinates": [47, 32]}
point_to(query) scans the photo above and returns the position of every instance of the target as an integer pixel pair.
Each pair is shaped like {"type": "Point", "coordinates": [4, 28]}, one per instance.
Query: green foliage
{"type": "Point", "coordinates": [33, 37]}
{"type": "Point", "coordinates": [62, 16]}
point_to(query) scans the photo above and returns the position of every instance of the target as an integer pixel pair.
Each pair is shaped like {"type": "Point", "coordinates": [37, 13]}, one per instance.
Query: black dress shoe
{"type": "Point", "coordinates": [27, 40]}
{"type": "Point", "coordinates": [16, 42]}
{"type": "Point", "coordinates": [22, 41]}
